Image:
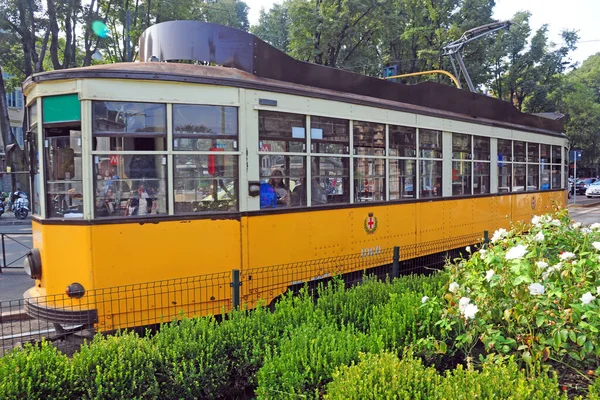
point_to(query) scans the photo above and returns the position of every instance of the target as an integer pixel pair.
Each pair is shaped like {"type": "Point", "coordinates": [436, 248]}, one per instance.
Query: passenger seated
{"type": "Point", "coordinates": [274, 193]}
{"type": "Point", "coordinates": [318, 194]}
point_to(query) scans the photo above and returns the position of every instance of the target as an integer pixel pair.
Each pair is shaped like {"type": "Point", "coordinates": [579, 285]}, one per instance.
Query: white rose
{"type": "Point", "coordinates": [555, 222]}
{"type": "Point", "coordinates": [596, 245]}
{"type": "Point", "coordinates": [539, 237]}
{"type": "Point", "coordinates": [468, 249]}
{"type": "Point", "coordinates": [516, 252]}
{"type": "Point", "coordinates": [482, 253]}
{"type": "Point", "coordinates": [462, 303]}
{"type": "Point", "coordinates": [499, 234]}
{"type": "Point", "coordinates": [598, 290]}
{"type": "Point", "coordinates": [595, 226]}
{"type": "Point", "coordinates": [489, 274]}
{"type": "Point", "coordinates": [536, 289]}
{"type": "Point", "coordinates": [587, 298]}
{"type": "Point", "coordinates": [424, 299]}
{"type": "Point", "coordinates": [470, 311]}
{"type": "Point", "coordinates": [536, 220]}
{"type": "Point", "coordinates": [577, 225]}
{"type": "Point", "coordinates": [566, 256]}
{"type": "Point", "coordinates": [453, 287]}
{"type": "Point", "coordinates": [541, 264]}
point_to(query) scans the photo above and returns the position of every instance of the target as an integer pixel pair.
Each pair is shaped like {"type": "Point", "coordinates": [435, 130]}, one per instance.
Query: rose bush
{"type": "Point", "coordinates": [531, 290]}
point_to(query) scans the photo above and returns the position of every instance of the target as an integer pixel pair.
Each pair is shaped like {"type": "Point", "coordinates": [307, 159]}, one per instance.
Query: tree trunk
{"type": "Point", "coordinates": [5, 130]}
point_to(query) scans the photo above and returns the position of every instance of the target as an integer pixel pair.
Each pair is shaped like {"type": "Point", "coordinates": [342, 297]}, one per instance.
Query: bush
{"type": "Point", "coordinates": [306, 359]}
{"type": "Point", "coordinates": [533, 290]}
{"type": "Point", "coordinates": [116, 367]}
{"type": "Point", "coordinates": [35, 373]}
{"type": "Point", "coordinates": [384, 376]}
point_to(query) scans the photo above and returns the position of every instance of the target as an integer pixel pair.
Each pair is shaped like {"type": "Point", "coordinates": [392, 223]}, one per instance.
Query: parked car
{"type": "Point", "coordinates": [582, 184]}
{"type": "Point", "coordinates": [593, 190]}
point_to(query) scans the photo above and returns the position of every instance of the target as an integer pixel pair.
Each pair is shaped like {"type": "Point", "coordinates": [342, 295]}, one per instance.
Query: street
{"type": "Point", "coordinates": [13, 280]}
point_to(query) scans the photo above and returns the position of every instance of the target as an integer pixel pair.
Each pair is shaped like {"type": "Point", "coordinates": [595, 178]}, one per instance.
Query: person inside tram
{"type": "Point", "coordinates": [318, 195]}
{"type": "Point", "coordinates": [274, 193]}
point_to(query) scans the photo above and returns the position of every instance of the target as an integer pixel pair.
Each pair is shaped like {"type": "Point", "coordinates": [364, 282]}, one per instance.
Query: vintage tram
{"type": "Point", "coordinates": [242, 158]}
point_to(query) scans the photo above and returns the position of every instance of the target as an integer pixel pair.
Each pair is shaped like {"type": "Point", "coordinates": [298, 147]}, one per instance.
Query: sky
{"type": "Point", "coordinates": [581, 15]}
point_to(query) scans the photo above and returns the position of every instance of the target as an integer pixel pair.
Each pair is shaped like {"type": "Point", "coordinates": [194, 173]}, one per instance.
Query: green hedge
{"type": "Point", "coordinates": [385, 376]}
{"type": "Point", "coordinates": [303, 348]}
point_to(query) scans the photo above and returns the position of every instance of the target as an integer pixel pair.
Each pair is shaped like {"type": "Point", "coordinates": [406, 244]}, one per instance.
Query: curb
{"type": "Point", "coordinates": [587, 205]}
{"type": "Point", "coordinates": [14, 316]}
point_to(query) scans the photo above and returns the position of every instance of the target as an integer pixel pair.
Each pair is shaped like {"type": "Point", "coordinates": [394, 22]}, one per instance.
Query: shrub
{"type": "Point", "coordinates": [533, 290]}
{"type": "Point", "coordinates": [191, 359]}
{"type": "Point", "coordinates": [116, 367]}
{"type": "Point", "coordinates": [35, 373]}
{"type": "Point", "coordinates": [384, 376]}
{"type": "Point", "coordinates": [306, 359]}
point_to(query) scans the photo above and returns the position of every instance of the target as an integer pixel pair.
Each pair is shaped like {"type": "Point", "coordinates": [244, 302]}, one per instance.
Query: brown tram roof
{"type": "Point", "coordinates": [253, 64]}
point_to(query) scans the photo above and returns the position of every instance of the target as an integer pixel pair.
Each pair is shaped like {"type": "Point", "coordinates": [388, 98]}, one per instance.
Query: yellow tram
{"type": "Point", "coordinates": [243, 158]}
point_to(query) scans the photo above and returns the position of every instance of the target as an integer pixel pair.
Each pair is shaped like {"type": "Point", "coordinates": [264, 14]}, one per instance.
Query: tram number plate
{"type": "Point", "coordinates": [370, 251]}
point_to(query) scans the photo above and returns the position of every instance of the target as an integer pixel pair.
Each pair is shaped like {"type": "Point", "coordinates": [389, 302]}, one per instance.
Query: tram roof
{"type": "Point", "coordinates": [253, 64]}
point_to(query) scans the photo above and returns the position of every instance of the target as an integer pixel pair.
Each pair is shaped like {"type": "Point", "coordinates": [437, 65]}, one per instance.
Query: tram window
{"type": "Point", "coordinates": [504, 150]}
{"type": "Point", "coordinates": [461, 178]}
{"type": "Point", "coordinates": [519, 151]}
{"type": "Point", "coordinates": [369, 139]}
{"type": "Point", "coordinates": [461, 146]}
{"type": "Point", "coordinates": [504, 177]}
{"type": "Point", "coordinates": [403, 141]}
{"type": "Point", "coordinates": [202, 127]}
{"type": "Point", "coordinates": [545, 153]}
{"type": "Point", "coordinates": [119, 126]}
{"type": "Point", "coordinates": [545, 173]}
{"type": "Point", "coordinates": [481, 148]}
{"type": "Point", "coordinates": [330, 180]}
{"type": "Point", "coordinates": [130, 185]}
{"type": "Point", "coordinates": [481, 178]}
{"type": "Point", "coordinates": [369, 179]}
{"type": "Point", "coordinates": [64, 186]}
{"type": "Point", "coordinates": [520, 173]}
{"type": "Point", "coordinates": [556, 177]}
{"type": "Point", "coordinates": [533, 152]}
{"type": "Point", "coordinates": [205, 183]}
{"type": "Point", "coordinates": [430, 143]}
{"type": "Point", "coordinates": [431, 179]}
{"type": "Point", "coordinates": [37, 184]}
{"type": "Point", "coordinates": [533, 176]}
{"type": "Point", "coordinates": [281, 132]}
{"type": "Point", "coordinates": [403, 176]}
{"type": "Point", "coordinates": [330, 135]}
{"type": "Point", "coordinates": [282, 177]}
{"type": "Point", "coordinates": [556, 155]}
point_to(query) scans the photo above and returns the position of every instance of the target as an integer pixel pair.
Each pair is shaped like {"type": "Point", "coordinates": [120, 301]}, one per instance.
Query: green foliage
{"type": "Point", "coordinates": [116, 367]}
{"type": "Point", "coordinates": [384, 376]}
{"type": "Point", "coordinates": [191, 360]}
{"type": "Point", "coordinates": [35, 373]}
{"type": "Point", "coordinates": [534, 293]}
{"type": "Point", "coordinates": [307, 357]}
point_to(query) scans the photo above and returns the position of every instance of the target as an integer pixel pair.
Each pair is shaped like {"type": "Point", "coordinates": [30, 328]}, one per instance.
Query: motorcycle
{"type": "Point", "coordinates": [1, 206]}
{"type": "Point", "coordinates": [21, 205]}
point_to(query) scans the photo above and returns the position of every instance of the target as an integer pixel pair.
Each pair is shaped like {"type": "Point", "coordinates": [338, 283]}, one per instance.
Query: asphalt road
{"type": "Point", "coordinates": [13, 281]}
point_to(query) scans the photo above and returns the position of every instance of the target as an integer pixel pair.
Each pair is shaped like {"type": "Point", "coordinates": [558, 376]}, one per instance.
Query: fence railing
{"type": "Point", "coordinates": [152, 303]}
{"type": "Point", "coordinates": [15, 247]}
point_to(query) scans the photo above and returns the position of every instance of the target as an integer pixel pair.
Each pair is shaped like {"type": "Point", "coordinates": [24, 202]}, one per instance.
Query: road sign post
{"type": "Point", "coordinates": [575, 155]}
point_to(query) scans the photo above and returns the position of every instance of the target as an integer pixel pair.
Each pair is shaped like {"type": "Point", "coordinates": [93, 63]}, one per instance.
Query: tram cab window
{"type": "Point", "coordinates": [369, 172]}
{"type": "Point", "coordinates": [505, 181]}
{"type": "Point", "coordinates": [461, 164]}
{"type": "Point", "coordinates": [132, 184]}
{"type": "Point", "coordinates": [64, 184]}
{"type": "Point", "coordinates": [35, 156]}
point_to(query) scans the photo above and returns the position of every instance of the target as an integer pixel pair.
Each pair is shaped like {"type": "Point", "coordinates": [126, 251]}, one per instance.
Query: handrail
{"type": "Point", "coordinates": [435, 71]}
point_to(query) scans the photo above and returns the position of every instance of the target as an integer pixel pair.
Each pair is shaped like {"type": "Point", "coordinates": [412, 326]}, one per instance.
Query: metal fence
{"type": "Point", "coordinates": [152, 303]}
{"type": "Point", "coordinates": [15, 246]}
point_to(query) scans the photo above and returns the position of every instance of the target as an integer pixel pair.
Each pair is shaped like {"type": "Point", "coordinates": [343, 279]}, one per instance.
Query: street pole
{"type": "Point", "coordinates": [575, 177]}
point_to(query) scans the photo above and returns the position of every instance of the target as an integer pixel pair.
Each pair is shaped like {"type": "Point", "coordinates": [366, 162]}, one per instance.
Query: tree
{"type": "Point", "coordinates": [274, 25]}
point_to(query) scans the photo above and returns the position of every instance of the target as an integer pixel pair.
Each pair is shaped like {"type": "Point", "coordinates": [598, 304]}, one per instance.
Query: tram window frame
{"type": "Point", "coordinates": [430, 155]}
{"type": "Point", "coordinates": [462, 147]}
{"type": "Point", "coordinates": [402, 159]}
{"type": "Point", "coordinates": [33, 147]}
{"type": "Point", "coordinates": [328, 184]}
{"type": "Point", "coordinates": [214, 155]}
{"type": "Point", "coordinates": [533, 167]}
{"type": "Point", "coordinates": [504, 162]}
{"type": "Point", "coordinates": [145, 149]}
{"type": "Point", "coordinates": [556, 158]}
{"type": "Point", "coordinates": [369, 153]}
{"type": "Point", "coordinates": [327, 131]}
{"type": "Point", "coordinates": [481, 171]}
{"type": "Point", "coordinates": [294, 143]}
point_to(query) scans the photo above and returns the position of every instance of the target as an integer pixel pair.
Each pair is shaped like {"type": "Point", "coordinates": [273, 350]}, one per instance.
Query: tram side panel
{"type": "Point", "coordinates": [188, 263]}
